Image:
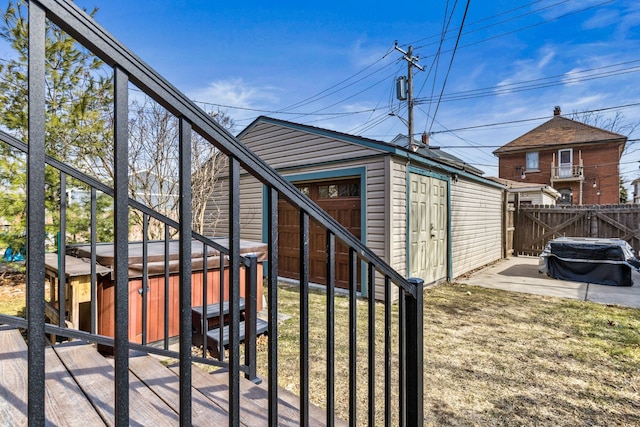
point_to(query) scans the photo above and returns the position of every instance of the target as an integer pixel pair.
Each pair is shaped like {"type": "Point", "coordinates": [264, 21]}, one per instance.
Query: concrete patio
{"type": "Point", "coordinates": [520, 274]}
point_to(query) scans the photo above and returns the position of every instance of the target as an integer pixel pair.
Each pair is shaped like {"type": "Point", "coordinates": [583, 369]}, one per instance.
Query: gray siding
{"type": "Point", "coordinates": [399, 217]}
{"type": "Point", "coordinates": [291, 151]}
{"type": "Point", "coordinates": [476, 225]}
{"type": "Point", "coordinates": [250, 208]}
{"type": "Point", "coordinates": [282, 147]}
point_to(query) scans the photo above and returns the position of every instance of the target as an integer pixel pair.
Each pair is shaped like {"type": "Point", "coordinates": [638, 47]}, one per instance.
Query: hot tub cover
{"type": "Point", "coordinates": [592, 260]}
{"type": "Point", "coordinates": [105, 255]}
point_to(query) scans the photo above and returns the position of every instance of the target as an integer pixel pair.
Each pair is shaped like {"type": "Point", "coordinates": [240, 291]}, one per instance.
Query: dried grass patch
{"type": "Point", "coordinates": [491, 358]}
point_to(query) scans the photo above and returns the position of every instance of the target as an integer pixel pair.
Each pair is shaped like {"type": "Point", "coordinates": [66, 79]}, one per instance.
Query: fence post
{"type": "Point", "coordinates": [505, 222]}
{"type": "Point", "coordinates": [593, 223]}
{"type": "Point", "coordinates": [517, 245]}
{"type": "Point", "coordinates": [414, 354]}
{"type": "Point", "coordinates": [251, 311]}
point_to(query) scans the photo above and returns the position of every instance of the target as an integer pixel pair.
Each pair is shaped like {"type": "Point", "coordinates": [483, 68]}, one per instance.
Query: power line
{"type": "Point", "coordinates": [532, 25]}
{"type": "Point", "coordinates": [436, 58]}
{"type": "Point", "coordinates": [258, 110]}
{"type": "Point", "coordinates": [598, 110]}
{"type": "Point", "coordinates": [532, 12]}
{"type": "Point", "coordinates": [464, 17]}
{"type": "Point", "coordinates": [492, 17]}
{"type": "Point", "coordinates": [524, 86]}
{"type": "Point", "coordinates": [327, 92]}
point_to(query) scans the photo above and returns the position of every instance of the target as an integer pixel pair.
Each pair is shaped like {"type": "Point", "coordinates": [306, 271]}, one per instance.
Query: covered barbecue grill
{"type": "Point", "coordinates": [592, 260]}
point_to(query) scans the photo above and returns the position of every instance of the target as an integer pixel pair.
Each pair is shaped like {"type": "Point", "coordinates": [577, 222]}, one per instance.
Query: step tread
{"type": "Point", "coordinates": [214, 334]}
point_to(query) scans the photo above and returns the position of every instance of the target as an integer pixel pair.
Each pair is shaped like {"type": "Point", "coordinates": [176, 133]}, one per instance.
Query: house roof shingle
{"type": "Point", "coordinates": [560, 131]}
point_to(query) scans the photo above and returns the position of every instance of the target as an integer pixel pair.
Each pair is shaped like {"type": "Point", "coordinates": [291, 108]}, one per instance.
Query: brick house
{"type": "Point", "coordinates": [578, 160]}
{"type": "Point", "coordinates": [636, 191]}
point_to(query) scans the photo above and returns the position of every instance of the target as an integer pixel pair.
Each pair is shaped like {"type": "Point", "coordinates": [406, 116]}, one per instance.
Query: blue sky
{"type": "Point", "coordinates": [333, 64]}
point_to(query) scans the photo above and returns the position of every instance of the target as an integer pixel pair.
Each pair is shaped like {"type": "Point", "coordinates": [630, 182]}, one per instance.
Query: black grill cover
{"type": "Point", "coordinates": [600, 261]}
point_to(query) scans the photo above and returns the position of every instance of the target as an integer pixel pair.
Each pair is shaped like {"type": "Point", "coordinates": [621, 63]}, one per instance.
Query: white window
{"type": "Point", "coordinates": [532, 161]}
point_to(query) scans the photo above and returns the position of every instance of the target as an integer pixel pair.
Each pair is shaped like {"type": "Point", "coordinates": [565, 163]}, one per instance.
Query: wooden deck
{"type": "Point", "coordinates": [80, 391]}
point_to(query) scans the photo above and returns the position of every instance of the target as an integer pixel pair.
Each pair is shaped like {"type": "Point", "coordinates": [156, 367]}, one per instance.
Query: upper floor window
{"type": "Point", "coordinates": [532, 161]}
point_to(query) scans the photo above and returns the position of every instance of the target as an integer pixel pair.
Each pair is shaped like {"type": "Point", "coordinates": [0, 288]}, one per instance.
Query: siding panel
{"type": "Point", "coordinates": [476, 225]}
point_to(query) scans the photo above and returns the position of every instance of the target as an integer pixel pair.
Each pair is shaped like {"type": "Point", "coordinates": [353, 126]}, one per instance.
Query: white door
{"type": "Point", "coordinates": [565, 163]}
{"type": "Point", "coordinates": [428, 228]}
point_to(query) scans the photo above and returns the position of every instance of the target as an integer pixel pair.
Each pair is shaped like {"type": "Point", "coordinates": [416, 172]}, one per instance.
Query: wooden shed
{"type": "Point", "coordinates": [422, 210]}
{"type": "Point", "coordinates": [529, 193]}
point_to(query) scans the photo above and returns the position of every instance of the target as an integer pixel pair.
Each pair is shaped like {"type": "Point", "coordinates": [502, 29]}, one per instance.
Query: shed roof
{"type": "Point", "coordinates": [560, 131]}
{"type": "Point", "coordinates": [434, 152]}
{"type": "Point", "coordinates": [427, 154]}
{"type": "Point", "coordinates": [520, 187]}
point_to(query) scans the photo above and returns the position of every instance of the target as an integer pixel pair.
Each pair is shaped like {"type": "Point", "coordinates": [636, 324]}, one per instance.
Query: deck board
{"type": "Point", "coordinates": [79, 390]}
{"type": "Point", "coordinates": [95, 375]}
{"type": "Point", "coordinates": [64, 398]}
{"type": "Point", "coordinates": [218, 393]}
{"type": "Point", "coordinates": [254, 402]}
{"type": "Point", "coordinates": [166, 384]}
{"type": "Point", "coordinates": [290, 402]}
{"type": "Point", "coordinates": [13, 377]}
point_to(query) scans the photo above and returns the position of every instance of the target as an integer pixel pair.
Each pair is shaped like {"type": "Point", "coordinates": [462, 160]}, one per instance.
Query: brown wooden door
{"type": "Point", "coordinates": [341, 200]}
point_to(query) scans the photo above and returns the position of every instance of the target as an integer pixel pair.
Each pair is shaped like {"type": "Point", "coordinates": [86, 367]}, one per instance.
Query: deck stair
{"type": "Point", "coordinates": [80, 392]}
{"type": "Point", "coordinates": [72, 384]}
{"type": "Point", "coordinates": [218, 337]}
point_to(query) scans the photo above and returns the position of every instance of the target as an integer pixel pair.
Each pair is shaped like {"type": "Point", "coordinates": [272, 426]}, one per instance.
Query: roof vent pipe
{"type": "Point", "coordinates": [425, 138]}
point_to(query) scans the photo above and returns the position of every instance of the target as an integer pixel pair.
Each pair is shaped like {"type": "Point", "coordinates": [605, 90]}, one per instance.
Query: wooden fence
{"type": "Point", "coordinates": [536, 225]}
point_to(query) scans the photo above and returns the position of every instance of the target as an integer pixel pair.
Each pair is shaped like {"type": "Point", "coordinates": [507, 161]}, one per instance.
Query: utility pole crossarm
{"type": "Point", "coordinates": [407, 56]}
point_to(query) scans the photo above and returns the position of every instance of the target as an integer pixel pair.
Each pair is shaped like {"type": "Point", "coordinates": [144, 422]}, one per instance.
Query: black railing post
{"type": "Point", "coordinates": [36, 215]}
{"type": "Point", "coordinates": [184, 209]}
{"type": "Point", "coordinates": [62, 252]}
{"type": "Point", "coordinates": [94, 276]}
{"type": "Point", "coordinates": [204, 323]}
{"type": "Point", "coordinates": [234, 292]}
{"type": "Point", "coordinates": [304, 318]}
{"type": "Point", "coordinates": [387, 351]}
{"type": "Point", "coordinates": [402, 364]}
{"type": "Point", "coordinates": [272, 304]}
{"type": "Point", "coordinates": [353, 337]}
{"type": "Point", "coordinates": [371, 294]}
{"type": "Point", "coordinates": [144, 291]}
{"type": "Point", "coordinates": [414, 353]}
{"type": "Point", "coordinates": [121, 247]}
{"type": "Point", "coordinates": [331, 334]}
{"type": "Point", "coordinates": [167, 261]}
{"type": "Point", "coordinates": [251, 312]}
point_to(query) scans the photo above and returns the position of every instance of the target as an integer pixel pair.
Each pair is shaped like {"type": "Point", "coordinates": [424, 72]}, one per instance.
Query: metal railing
{"type": "Point", "coordinates": [567, 172]}
{"type": "Point", "coordinates": [128, 69]}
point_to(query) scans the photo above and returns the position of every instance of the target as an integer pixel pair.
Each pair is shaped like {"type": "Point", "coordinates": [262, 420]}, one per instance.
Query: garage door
{"type": "Point", "coordinates": [341, 200]}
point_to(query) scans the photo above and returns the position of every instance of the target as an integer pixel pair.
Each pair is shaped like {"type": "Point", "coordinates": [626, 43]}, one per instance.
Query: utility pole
{"type": "Point", "coordinates": [412, 61]}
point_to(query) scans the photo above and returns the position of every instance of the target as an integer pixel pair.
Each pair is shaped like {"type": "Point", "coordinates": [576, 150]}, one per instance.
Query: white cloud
{"type": "Point", "coordinates": [602, 20]}
{"type": "Point", "coordinates": [528, 69]}
{"type": "Point", "coordinates": [236, 96]}
{"type": "Point", "coordinates": [568, 7]}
